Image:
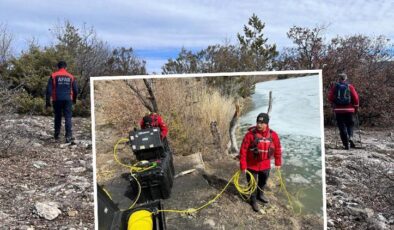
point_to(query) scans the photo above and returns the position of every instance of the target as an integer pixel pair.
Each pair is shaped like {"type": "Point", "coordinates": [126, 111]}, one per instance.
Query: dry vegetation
{"type": "Point", "coordinates": [187, 105]}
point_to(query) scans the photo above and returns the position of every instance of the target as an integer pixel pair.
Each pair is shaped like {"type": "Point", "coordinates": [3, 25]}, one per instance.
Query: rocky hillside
{"type": "Point", "coordinates": [45, 184]}
{"type": "Point", "coordinates": [360, 182]}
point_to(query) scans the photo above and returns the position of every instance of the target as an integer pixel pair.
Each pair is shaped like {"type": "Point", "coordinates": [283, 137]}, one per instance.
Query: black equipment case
{"type": "Point", "coordinates": [111, 218]}
{"type": "Point", "coordinates": [146, 144]}
{"type": "Point", "coordinates": [156, 183]}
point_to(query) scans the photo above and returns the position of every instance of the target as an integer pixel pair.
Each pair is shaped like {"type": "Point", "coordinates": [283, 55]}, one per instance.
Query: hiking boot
{"type": "Point", "coordinates": [69, 139]}
{"type": "Point", "coordinates": [262, 198]}
{"type": "Point", "coordinates": [56, 136]}
{"type": "Point", "coordinates": [346, 147]}
{"type": "Point", "coordinates": [352, 145]}
{"type": "Point", "coordinates": [254, 205]}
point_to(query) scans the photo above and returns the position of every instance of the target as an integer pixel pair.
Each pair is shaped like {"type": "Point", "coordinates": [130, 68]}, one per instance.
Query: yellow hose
{"type": "Point", "coordinates": [244, 190]}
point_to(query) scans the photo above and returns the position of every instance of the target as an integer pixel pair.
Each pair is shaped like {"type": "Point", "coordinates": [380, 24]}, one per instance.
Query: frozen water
{"type": "Point", "coordinates": [297, 178]}
{"type": "Point", "coordinates": [295, 107]}
{"type": "Point", "coordinates": [295, 117]}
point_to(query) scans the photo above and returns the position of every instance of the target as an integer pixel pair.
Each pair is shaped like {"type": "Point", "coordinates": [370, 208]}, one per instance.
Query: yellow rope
{"type": "Point", "coordinates": [131, 167]}
{"type": "Point", "coordinates": [291, 200]}
{"type": "Point", "coordinates": [245, 190]}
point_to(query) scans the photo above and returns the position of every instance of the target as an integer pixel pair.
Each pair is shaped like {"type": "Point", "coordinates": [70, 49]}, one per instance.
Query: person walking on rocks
{"type": "Point", "coordinates": [259, 145]}
{"type": "Point", "coordinates": [345, 102]}
{"type": "Point", "coordinates": [62, 88]}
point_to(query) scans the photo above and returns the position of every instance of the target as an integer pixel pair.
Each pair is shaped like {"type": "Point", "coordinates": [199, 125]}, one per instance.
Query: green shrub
{"type": "Point", "coordinates": [27, 104]}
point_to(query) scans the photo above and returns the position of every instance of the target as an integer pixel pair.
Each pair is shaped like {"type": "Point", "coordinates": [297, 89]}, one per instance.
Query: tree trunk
{"type": "Point", "coordinates": [148, 102]}
{"type": "Point", "coordinates": [233, 128]}
{"type": "Point", "coordinates": [151, 98]}
{"type": "Point", "coordinates": [269, 103]}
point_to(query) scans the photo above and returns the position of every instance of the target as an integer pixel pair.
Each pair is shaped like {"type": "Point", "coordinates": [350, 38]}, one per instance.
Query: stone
{"type": "Point", "coordinates": [210, 222]}
{"type": "Point", "coordinates": [39, 164]}
{"type": "Point", "coordinates": [78, 169]}
{"type": "Point", "coordinates": [72, 213]}
{"type": "Point", "coordinates": [330, 223]}
{"type": "Point", "coordinates": [48, 210]}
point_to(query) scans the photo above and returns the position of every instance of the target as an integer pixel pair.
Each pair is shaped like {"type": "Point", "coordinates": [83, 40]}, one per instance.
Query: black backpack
{"type": "Point", "coordinates": [342, 94]}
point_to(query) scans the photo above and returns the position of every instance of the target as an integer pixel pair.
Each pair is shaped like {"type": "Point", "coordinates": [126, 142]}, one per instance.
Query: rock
{"type": "Point", "coordinates": [72, 213]}
{"type": "Point", "coordinates": [80, 182]}
{"type": "Point", "coordinates": [339, 193]}
{"type": "Point", "coordinates": [330, 223]}
{"type": "Point", "coordinates": [25, 227]}
{"type": "Point", "coordinates": [378, 223]}
{"type": "Point", "coordinates": [62, 146]}
{"type": "Point", "coordinates": [47, 209]}
{"type": "Point", "coordinates": [359, 213]}
{"type": "Point", "coordinates": [68, 162]}
{"type": "Point", "coordinates": [43, 134]}
{"type": "Point", "coordinates": [84, 143]}
{"type": "Point", "coordinates": [210, 222]}
{"type": "Point", "coordinates": [37, 145]}
{"type": "Point", "coordinates": [78, 169]}
{"type": "Point", "coordinates": [39, 164]}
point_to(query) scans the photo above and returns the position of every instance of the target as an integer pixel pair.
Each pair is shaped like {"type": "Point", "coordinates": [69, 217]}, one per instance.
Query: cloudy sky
{"type": "Point", "coordinates": [157, 30]}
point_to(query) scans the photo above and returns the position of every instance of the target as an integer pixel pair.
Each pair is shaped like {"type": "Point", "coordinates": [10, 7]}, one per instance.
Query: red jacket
{"type": "Point", "coordinates": [344, 108]}
{"type": "Point", "coordinates": [157, 121]}
{"type": "Point", "coordinates": [62, 86]}
{"type": "Point", "coordinates": [248, 159]}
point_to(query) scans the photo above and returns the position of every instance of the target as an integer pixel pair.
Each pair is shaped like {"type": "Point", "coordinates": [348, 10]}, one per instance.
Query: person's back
{"type": "Point", "coordinates": [345, 102]}
{"type": "Point", "coordinates": [343, 96]}
{"type": "Point", "coordinates": [62, 88]}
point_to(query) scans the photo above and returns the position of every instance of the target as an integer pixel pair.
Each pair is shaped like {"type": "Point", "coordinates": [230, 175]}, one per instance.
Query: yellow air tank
{"type": "Point", "coordinates": [140, 220]}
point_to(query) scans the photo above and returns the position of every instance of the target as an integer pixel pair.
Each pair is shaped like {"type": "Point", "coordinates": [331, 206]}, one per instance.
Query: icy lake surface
{"type": "Point", "coordinates": [295, 116]}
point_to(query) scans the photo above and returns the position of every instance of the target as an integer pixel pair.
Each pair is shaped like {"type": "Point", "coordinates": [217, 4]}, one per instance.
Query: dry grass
{"type": "Point", "coordinates": [187, 105]}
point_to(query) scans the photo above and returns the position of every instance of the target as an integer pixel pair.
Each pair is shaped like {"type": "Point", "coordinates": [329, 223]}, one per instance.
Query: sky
{"type": "Point", "coordinates": [158, 29]}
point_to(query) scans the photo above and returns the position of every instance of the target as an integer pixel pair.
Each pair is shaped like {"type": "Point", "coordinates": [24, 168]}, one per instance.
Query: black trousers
{"type": "Point", "coordinates": [345, 125]}
{"type": "Point", "coordinates": [61, 108]}
{"type": "Point", "coordinates": [261, 178]}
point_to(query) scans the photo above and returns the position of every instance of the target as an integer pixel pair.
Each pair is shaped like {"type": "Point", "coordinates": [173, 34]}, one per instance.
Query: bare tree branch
{"type": "Point", "coordinates": [151, 98]}
{"type": "Point", "coordinates": [146, 102]}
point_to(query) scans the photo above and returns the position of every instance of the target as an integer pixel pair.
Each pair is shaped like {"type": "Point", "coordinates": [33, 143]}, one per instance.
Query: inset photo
{"type": "Point", "coordinates": [209, 151]}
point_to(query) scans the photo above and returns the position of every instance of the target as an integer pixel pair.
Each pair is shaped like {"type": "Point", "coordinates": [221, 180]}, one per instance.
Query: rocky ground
{"type": "Point", "coordinates": [360, 182]}
{"type": "Point", "coordinates": [45, 184]}
{"type": "Point", "coordinates": [197, 188]}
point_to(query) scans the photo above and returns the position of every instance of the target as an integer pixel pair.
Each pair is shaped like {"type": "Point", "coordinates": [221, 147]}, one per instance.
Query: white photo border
{"type": "Point", "coordinates": [229, 74]}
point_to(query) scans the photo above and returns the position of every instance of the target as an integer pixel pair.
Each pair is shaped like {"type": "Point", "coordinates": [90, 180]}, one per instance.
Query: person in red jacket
{"type": "Point", "coordinates": [345, 102]}
{"type": "Point", "coordinates": [154, 120]}
{"type": "Point", "coordinates": [62, 88]}
{"type": "Point", "coordinates": [259, 145]}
